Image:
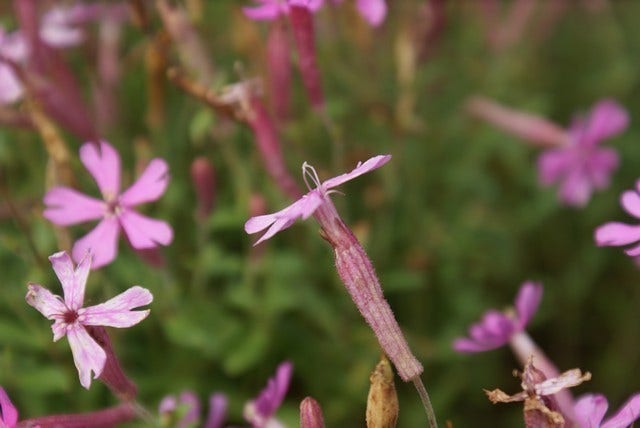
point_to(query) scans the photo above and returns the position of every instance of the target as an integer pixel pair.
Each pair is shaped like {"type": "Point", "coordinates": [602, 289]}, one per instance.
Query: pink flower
{"type": "Point", "coordinates": [259, 412]}
{"type": "Point", "coordinates": [188, 403]}
{"type": "Point", "coordinates": [615, 233]}
{"type": "Point", "coordinates": [581, 166]}
{"type": "Point", "coordinates": [66, 206]}
{"type": "Point", "coordinates": [373, 11]}
{"type": "Point", "coordinates": [590, 410]}
{"type": "Point", "coordinates": [70, 317]}
{"type": "Point", "coordinates": [217, 411]}
{"type": "Point", "coordinates": [497, 328]}
{"type": "Point", "coordinates": [306, 206]}
{"type": "Point", "coordinates": [12, 48]}
{"type": "Point", "coordinates": [8, 412]}
{"type": "Point", "coordinates": [268, 10]}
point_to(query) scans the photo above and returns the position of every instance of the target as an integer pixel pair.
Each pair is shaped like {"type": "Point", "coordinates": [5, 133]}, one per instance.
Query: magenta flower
{"type": "Point", "coordinates": [268, 10]}
{"type": "Point", "coordinates": [615, 233]}
{"type": "Point", "coordinates": [590, 410]}
{"type": "Point", "coordinates": [306, 206]}
{"type": "Point", "coordinates": [259, 412]}
{"type": "Point", "coordinates": [66, 206]}
{"type": "Point", "coordinates": [581, 166]}
{"type": "Point", "coordinates": [70, 317]}
{"type": "Point", "coordinates": [8, 412]}
{"type": "Point", "coordinates": [497, 328]}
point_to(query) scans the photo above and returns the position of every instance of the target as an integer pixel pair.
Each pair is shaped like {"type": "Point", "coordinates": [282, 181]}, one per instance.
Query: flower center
{"type": "Point", "coordinates": [70, 317]}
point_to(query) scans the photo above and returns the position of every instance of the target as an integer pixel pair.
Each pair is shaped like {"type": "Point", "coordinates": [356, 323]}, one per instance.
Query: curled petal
{"type": "Point", "coordinates": [103, 162]}
{"type": "Point", "coordinates": [614, 233]}
{"type": "Point", "coordinates": [527, 302]}
{"type": "Point", "coordinates": [102, 241]}
{"type": "Point", "coordinates": [590, 409]}
{"type": "Point", "coordinates": [362, 168]}
{"type": "Point", "coordinates": [73, 280]}
{"type": "Point", "coordinates": [88, 356]}
{"type": "Point", "coordinates": [149, 186]}
{"type": "Point", "coordinates": [373, 11]}
{"type": "Point", "coordinates": [144, 232]}
{"type": "Point", "coordinates": [606, 119]}
{"type": "Point", "coordinates": [47, 303]}
{"type": "Point", "coordinates": [217, 411]}
{"type": "Point", "coordinates": [66, 206]}
{"type": "Point", "coordinates": [8, 412]}
{"type": "Point", "coordinates": [627, 415]}
{"type": "Point", "coordinates": [630, 201]}
{"type": "Point", "coordinates": [117, 311]}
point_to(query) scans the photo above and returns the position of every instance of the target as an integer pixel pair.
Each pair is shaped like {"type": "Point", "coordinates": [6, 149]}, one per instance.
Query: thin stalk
{"type": "Point", "coordinates": [426, 401]}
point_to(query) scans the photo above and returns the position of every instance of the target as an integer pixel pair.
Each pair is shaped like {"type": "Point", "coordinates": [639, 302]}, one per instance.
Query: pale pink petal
{"type": "Point", "coordinates": [615, 233]}
{"type": "Point", "coordinates": [103, 162]}
{"type": "Point", "coordinates": [469, 346]}
{"type": "Point", "coordinates": [566, 380]}
{"type": "Point", "coordinates": [11, 89]}
{"type": "Point", "coordinates": [57, 29]}
{"type": "Point", "coordinates": [575, 188]}
{"type": "Point", "coordinates": [8, 412]}
{"type": "Point", "coordinates": [88, 356]}
{"type": "Point", "coordinates": [590, 410]}
{"type": "Point", "coordinates": [272, 395]}
{"type": "Point", "coordinates": [117, 311]}
{"type": "Point", "coordinates": [600, 165]}
{"type": "Point", "coordinates": [268, 10]}
{"type": "Point", "coordinates": [626, 416]}
{"type": "Point", "coordinates": [217, 411]}
{"type": "Point", "coordinates": [312, 5]}
{"type": "Point", "coordinates": [362, 168]}
{"type": "Point", "coordinates": [630, 201]}
{"type": "Point", "coordinates": [373, 11]}
{"type": "Point", "coordinates": [65, 206]}
{"type": "Point", "coordinates": [149, 186]}
{"type": "Point", "coordinates": [553, 164]}
{"type": "Point", "coordinates": [527, 302]}
{"type": "Point", "coordinates": [13, 46]}
{"type": "Point", "coordinates": [145, 232]}
{"type": "Point", "coordinates": [606, 119]}
{"type": "Point", "coordinates": [73, 280]}
{"type": "Point", "coordinates": [47, 303]}
{"type": "Point", "coordinates": [102, 241]}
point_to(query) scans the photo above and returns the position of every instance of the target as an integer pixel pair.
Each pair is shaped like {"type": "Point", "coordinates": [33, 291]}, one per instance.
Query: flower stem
{"type": "Point", "coordinates": [426, 401]}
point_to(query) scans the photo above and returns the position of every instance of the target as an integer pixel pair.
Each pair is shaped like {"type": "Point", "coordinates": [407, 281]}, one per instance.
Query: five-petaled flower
{"type": "Point", "coordinates": [497, 328]}
{"type": "Point", "coordinates": [309, 203]}
{"type": "Point", "coordinates": [590, 410]}
{"type": "Point", "coordinates": [259, 412]}
{"type": "Point", "coordinates": [67, 206]}
{"type": "Point", "coordinates": [615, 233]}
{"type": "Point", "coordinates": [70, 317]}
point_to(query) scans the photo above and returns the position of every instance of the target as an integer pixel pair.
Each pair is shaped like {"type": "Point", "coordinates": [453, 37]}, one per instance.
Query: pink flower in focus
{"type": "Point", "coordinates": [259, 412]}
{"type": "Point", "coordinates": [581, 166]}
{"type": "Point", "coordinates": [590, 410]}
{"type": "Point", "coordinates": [615, 233]}
{"type": "Point", "coordinates": [268, 10]}
{"type": "Point", "coordinates": [8, 412]}
{"type": "Point", "coordinates": [66, 206]}
{"type": "Point", "coordinates": [305, 206]}
{"type": "Point", "coordinates": [70, 318]}
{"type": "Point", "coordinates": [497, 328]}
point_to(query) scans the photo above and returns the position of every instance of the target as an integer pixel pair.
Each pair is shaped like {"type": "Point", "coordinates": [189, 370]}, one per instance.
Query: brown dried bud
{"type": "Point", "coordinates": [382, 403]}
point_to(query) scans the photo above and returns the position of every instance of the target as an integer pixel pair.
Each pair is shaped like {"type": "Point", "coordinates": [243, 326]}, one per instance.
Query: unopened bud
{"type": "Point", "coordinates": [311, 414]}
{"type": "Point", "coordinates": [382, 403]}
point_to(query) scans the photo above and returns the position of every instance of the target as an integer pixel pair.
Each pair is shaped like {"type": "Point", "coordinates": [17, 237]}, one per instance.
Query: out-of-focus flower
{"type": "Point", "coordinates": [8, 412]}
{"type": "Point", "coordinates": [591, 408]}
{"type": "Point", "coordinates": [12, 48]}
{"type": "Point", "coordinates": [217, 411]}
{"type": "Point", "coordinates": [307, 205]}
{"type": "Point", "coordinates": [540, 407]}
{"type": "Point", "coordinates": [497, 328]}
{"type": "Point", "coordinates": [186, 403]}
{"type": "Point", "coordinates": [259, 412]}
{"type": "Point", "coordinates": [65, 206]}
{"type": "Point", "coordinates": [615, 233]}
{"type": "Point", "coordinates": [70, 317]}
{"type": "Point", "coordinates": [267, 10]}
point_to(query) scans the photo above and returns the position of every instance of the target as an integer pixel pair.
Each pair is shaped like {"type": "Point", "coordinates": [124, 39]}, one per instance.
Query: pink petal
{"type": "Point", "coordinates": [73, 280]}
{"type": "Point", "coordinates": [268, 10]}
{"type": "Point", "coordinates": [8, 412]}
{"type": "Point", "coordinates": [56, 28]}
{"type": "Point", "coordinates": [149, 186]}
{"type": "Point", "coordinates": [590, 410]}
{"type": "Point", "coordinates": [10, 86]}
{"type": "Point", "coordinates": [47, 303]}
{"type": "Point", "coordinates": [312, 5]}
{"type": "Point", "coordinates": [88, 356]}
{"type": "Point", "coordinates": [527, 302]}
{"type": "Point", "coordinates": [553, 164]}
{"type": "Point", "coordinates": [117, 311]}
{"type": "Point", "coordinates": [373, 11]}
{"type": "Point", "coordinates": [633, 251]}
{"type": "Point", "coordinates": [575, 188]}
{"type": "Point", "coordinates": [630, 201]}
{"type": "Point", "coordinates": [217, 411]}
{"type": "Point", "coordinates": [103, 162]}
{"type": "Point", "coordinates": [145, 232]}
{"type": "Point", "coordinates": [614, 233]}
{"type": "Point", "coordinates": [272, 395]}
{"type": "Point", "coordinates": [362, 168]}
{"type": "Point", "coordinates": [600, 165]}
{"type": "Point", "coordinates": [606, 119]}
{"type": "Point", "coordinates": [469, 346]}
{"type": "Point", "coordinates": [66, 206]}
{"type": "Point", "coordinates": [102, 241]}
{"type": "Point", "coordinates": [627, 415]}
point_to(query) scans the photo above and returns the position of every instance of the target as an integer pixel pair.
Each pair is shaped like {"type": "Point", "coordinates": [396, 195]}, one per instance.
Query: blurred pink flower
{"type": "Point", "coordinates": [66, 206]}
{"type": "Point", "coordinates": [590, 410]}
{"type": "Point", "coordinates": [306, 206]}
{"type": "Point", "coordinates": [8, 412]}
{"type": "Point", "coordinates": [582, 166]}
{"type": "Point", "coordinates": [189, 405]}
{"type": "Point", "coordinates": [259, 412]}
{"type": "Point", "coordinates": [13, 48]}
{"type": "Point", "coordinates": [267, 10]}
{"type": "Point", "coordinates": [497, 328]}
{"type": "Point", "coordinates": [70, 317]}
{"type": "Point", "coordinates": [615, 233]}
{"type": "Point", "coordinates": [373, 11]}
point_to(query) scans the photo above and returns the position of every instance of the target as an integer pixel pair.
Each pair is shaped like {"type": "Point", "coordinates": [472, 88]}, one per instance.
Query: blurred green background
{"type": "Point", "coordinates": [454, 223]}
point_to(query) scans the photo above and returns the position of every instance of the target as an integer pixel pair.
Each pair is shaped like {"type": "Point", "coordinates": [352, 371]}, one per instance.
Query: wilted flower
{"type": "Point", "coordinates": [615, 233]}
{"type": "Point", "coordinates": [67, 206]}
{"type": "Point", "coordinates": [590, 410]}
{"type": "Point", "coordinates": [70, 317]}
{"type": "Point", "coordinates": [259, 412]}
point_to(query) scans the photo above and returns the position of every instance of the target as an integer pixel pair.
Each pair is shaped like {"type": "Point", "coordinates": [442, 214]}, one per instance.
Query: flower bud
{"type": "Point", "coordinates": [382, 402]}
{"type": "Point", "coordinates": [310, 414]}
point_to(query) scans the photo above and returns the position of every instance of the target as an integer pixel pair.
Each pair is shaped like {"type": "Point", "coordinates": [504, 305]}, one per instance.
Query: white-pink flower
{"type": "Point", "coordinates": [66, 206]}
{"type": "Point", "coordinates": [70, 317]}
